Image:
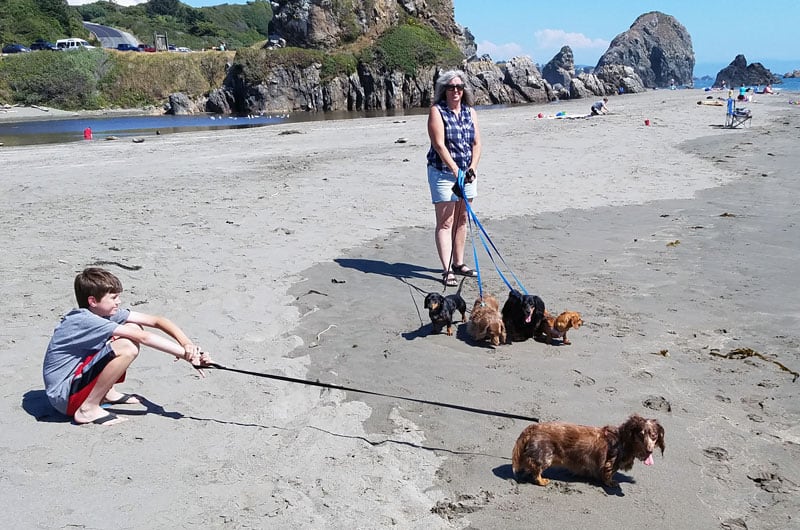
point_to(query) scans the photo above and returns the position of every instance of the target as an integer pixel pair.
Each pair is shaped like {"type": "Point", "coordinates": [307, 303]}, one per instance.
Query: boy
{"type": "Point", "coordinates": [600, 107]}
{"type": "Point", "coordinates": [93, 346]}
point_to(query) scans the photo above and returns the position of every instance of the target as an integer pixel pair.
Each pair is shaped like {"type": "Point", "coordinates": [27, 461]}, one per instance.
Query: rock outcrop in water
{"type": "Point", "coordinates": [740, 73]}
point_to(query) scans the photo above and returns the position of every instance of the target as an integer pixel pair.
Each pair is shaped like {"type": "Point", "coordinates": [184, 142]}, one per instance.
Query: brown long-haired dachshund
{"type": "Point", "coordinates": [486, 322]}
{"type": "Point", "coordinates": [596, 452]}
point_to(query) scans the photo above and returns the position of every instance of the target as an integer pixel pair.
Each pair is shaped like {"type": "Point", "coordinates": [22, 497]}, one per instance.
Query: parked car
{"type": "Point", "coordinates": [184, 49]}
{"type": "Point", "coordinates": [41, 44]}
{"type": "Point", "coordinates": [275, 41]}
{"type": "Point", "coordinates": [73, 44]}
{"type": "Point", "coordinates": [146, 48]}
{"type": "Point", "coordinates": [125, 47]}
{"type": "Point", "coordinates": [15, 48]}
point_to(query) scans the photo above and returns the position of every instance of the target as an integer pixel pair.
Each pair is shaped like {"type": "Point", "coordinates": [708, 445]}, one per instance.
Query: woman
{"type": "Point", "coordinates": [455, 145]}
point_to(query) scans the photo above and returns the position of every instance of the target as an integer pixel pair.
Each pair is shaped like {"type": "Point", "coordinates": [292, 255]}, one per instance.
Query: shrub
{"type": "Point", "coordinates": [410, 46]}
{"type": "Point", "coordinates": [140, 79]}
{"type": "Point", "coordinates": [338, 64]}
{"type": "Point", "coordinates": [67, 80]}
{"type": "Point", "coordinates": [92, 79]}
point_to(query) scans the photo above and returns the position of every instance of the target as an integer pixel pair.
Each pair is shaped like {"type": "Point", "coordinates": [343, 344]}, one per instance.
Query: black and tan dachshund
{"type": "Point", "coordinates": [523, 316]}
{"type": "Point", "coordinates": [442, 308]}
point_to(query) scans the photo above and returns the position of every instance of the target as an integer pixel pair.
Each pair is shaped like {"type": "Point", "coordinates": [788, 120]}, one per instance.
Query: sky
{"type": "Point", "coordinates": [765, 31]}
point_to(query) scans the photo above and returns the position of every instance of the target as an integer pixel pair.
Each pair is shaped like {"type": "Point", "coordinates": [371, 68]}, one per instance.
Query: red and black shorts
{"type": "Point", "coordinates": [86, 375]}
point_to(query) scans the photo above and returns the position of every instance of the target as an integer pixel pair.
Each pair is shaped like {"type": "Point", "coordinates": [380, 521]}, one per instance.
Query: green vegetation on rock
{"type": "Point", "coordinates": [411, 45]}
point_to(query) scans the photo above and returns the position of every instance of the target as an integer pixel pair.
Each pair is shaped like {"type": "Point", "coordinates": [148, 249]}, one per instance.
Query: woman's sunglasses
{"type": "Point", "coordinates": [455, 87]}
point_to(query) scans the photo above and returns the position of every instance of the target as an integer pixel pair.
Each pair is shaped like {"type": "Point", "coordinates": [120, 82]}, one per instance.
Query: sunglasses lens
{"type": "Point", "coordinates": [455, 87]}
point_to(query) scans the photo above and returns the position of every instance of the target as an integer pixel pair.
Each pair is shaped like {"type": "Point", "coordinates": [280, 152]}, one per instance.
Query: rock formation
{"type": "Point", "coordinates": [289, 88]}
{"type": "Point", "coordinates": [657, 48]}
{"type": "Point", "coordinates": [561, 68]}
{"type": "Point", "coordinates": [323, 24]}
{"type": "Point", "coordinates": [792, 75]}
{"type": "Point", "coordinates": [739, 73]}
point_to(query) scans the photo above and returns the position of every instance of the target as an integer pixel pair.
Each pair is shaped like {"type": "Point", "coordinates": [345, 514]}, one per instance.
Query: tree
{"type": "Point", "coordinates": [164, 7]}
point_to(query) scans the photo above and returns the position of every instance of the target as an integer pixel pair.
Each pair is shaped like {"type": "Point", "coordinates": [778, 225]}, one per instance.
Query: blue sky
{"type": "Point", "coordinates": [764, 31]}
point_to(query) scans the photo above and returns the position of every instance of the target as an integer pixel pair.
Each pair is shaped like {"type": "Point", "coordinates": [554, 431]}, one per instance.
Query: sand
{"type": "Point", "coordinates": [305, 250]}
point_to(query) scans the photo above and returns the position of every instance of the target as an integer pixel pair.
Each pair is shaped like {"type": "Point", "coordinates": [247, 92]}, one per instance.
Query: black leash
{"type": "Point", "coordinates": [347, 389]}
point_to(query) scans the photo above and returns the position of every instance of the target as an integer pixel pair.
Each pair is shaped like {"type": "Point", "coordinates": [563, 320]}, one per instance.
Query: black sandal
{"type": "Point", "coordinates": [449, 280]}
{"type": "Point", "coordinates": [463, 270]}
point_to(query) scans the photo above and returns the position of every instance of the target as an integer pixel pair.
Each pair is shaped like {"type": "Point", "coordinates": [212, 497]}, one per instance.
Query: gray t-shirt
{"type": "Point", "coordinates": [80, 334]}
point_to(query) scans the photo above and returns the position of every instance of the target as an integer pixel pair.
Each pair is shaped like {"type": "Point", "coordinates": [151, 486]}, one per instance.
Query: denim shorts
{"type": "Point", "coordinates": [441, 185]}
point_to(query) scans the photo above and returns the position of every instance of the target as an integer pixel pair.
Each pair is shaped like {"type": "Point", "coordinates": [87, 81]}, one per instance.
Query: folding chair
{"type": "Point", "coordinates": [736, 116]}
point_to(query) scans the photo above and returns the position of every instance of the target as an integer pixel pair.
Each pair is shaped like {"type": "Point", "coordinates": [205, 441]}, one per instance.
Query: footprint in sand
{"type": "Point", "coordinates": [657, 403]}
{"type": "Point", "coordinates": [716, 453]}
{"type": "Point", "coordinates": [583, 380]}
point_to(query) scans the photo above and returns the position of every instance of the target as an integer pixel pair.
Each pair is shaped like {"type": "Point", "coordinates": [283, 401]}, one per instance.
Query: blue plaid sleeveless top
{"type": "Point", "coordinates": [459, 134]}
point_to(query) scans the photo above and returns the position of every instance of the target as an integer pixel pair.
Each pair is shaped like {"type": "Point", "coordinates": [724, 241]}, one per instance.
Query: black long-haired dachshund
{"type": "Point", "coordinates": [442, 308]}
{"type": "Point", "coordinates": [522, 315]}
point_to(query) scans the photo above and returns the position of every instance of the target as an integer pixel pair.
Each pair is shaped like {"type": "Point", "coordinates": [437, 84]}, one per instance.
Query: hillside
{"type": "Point", "coordinates": [24, 21]}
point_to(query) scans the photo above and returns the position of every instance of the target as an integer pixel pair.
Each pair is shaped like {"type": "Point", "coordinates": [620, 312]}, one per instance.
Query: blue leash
{"type": "Point", "coordinates": [471, 216]}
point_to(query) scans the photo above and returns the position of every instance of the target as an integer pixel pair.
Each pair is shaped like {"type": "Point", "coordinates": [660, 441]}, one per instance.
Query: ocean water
{"type": "Point", "coordinates": [788, 85]}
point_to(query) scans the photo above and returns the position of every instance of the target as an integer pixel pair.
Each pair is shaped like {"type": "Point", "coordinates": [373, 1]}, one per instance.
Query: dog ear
{"type": "Point", "coordinates": [660, 440]}
{"type": "Point", "coordinates": [428, 300]}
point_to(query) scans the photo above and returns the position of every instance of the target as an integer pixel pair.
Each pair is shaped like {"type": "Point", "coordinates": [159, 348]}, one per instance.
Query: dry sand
{"type": "Point", "coordinates": [306, 249]}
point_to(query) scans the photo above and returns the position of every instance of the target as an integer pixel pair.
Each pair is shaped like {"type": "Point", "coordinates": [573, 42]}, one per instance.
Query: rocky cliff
{"type": "Point", "coordinates": [657, 48]}
{"type": "Point", "coordinates": [740, 73]}
{"type": "Point", "coordinates": [370, 88]}
{"type": "Point", "coordinates": [326, 24]}
{"type": "Point", "coordinates": [653, 52]}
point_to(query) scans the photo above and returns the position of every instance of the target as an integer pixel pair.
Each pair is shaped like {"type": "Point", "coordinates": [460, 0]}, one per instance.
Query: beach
{"type": "Point", "coordinates": [306, 249]}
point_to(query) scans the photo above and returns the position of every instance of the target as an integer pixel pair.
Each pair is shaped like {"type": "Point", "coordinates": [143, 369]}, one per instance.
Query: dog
{"type": "Point", "coordinates": [522, 315]}
{"type": "Point", "coordinates": [486, 322]}
{"type": "Point", "coordinates": [442, 308]}
{"type": "Point", "coordinates": [557, 327]}
{"type": "Point", "coordinates": [596, 452]}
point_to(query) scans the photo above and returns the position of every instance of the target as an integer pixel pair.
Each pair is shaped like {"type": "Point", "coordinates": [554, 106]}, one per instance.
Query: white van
{"type": "Point", "coordinates": [72, 44]}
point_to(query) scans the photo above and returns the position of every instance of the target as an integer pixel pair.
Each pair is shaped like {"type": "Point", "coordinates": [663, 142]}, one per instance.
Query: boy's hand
{"type": "Point", "coordinates": [190, 352]}
{"type": "Point", "coordinates": [202, 359]}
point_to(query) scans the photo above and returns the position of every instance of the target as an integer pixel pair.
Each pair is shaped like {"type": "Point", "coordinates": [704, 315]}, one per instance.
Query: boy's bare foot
{"type": "Point", "coordinates": [103, 418]}
{"type": "Point", "coordinates": [116, 398]}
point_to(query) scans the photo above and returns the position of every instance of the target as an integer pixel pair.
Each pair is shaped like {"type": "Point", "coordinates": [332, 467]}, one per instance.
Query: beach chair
{"type": "Point", "coordinates": [736, 116]}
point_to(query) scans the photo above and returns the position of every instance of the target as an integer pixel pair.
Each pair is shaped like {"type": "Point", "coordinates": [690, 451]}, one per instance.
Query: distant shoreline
{"type": "Point", "coordinates": [14, 113]}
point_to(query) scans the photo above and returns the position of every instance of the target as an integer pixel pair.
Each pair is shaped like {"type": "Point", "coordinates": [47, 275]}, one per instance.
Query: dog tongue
{"type": "Point", "coordinates": [649, 461]}
{"type": "Point", "coordinates": [528, 320]}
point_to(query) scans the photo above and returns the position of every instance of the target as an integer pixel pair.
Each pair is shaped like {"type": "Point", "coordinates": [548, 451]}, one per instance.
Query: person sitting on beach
{"type": "Point", "coordinates": [93, 345]}
{"type": "Point", "coordinates": [768, 89]}
{"type": "Point", "coordinates": [600, 107]}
